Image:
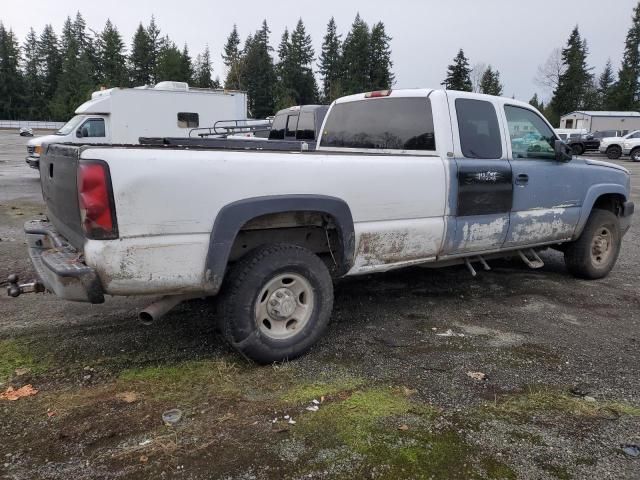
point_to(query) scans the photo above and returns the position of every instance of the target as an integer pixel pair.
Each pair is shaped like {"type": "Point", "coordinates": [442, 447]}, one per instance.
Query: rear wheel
{"type": "Point", "coordinates": [595, 253]}
{"type": "Point", "coordinates": [577, 148]}
{"type": "Point", "coordinates": [635, 155]}
{"type": "Point", "coordinates": [276, 303]}
{"type": "Point", "coordinates": [614, 152]}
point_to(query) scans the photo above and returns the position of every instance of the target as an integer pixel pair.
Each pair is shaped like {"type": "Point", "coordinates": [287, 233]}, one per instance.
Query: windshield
{"type": "Point", "coordinates": [71, 125]}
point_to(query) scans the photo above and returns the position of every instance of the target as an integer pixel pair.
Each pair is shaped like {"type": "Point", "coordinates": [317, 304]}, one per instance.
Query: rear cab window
{"type": "Point", "coordinates": [391, 123]}
{"type": "Point", "coordinates": [479, 129]}
{"type": "Point", "coordinates": [306, 126]}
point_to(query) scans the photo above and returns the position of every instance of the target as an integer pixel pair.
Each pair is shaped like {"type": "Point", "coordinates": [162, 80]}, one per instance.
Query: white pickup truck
{"type": "Point", "coordinates": [409, 177]}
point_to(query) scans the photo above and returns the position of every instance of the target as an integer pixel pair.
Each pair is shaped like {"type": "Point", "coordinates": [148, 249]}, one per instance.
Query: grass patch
{"type": "Point", "coordinates": [182, 379]}
{"type": "Point", "coordinates": [316, 390]}
{"type": "Point", "coordinates": [549, 401]}
{"type": "Point", "coordinates": [15, 355]}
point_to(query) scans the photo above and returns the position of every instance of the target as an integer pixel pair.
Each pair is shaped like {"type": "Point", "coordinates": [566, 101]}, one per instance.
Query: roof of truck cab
{"type": "Point", "coordinates": [425, 92]}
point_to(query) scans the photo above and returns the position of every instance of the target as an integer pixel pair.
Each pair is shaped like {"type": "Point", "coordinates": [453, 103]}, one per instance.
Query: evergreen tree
{"type": "Point", "coordinates": [490, 82]}
{"type": "Point", "coordinates": [50, 65]}
{"type": "Point", "coordinates": [331, 63]}
{"type": "Point", "coordinates": [381, 76]}
{"type": "Point", "coordinates": [156, 46]}
{"type": "Point", "coordinates": [233, 61]}
{"type": "Point", "coordinates": [186, 70]}
{"type": "Point", "coordinates": [606, 84]}
{"type": "Point", "coordinates": [11, 87]}
{"type": "Point", "coordinates": [202, 71]}
{"type": "Point", "coordinates": [34, 95]}
{"type": "Point", "coordinates": [113, 71]}
{"type": "Point", "coordinates": [259, 74]}
{"type": "Point", "coordinates": [170, 63]}
{"type": "Point", "coordinates": [535, 102]}
{"type": "Point", "coordinates": [285, 95]}
{"type": "Point", "coordinates": [356, 55]}
{"type": "Point", "coordinates": [574, 86]}
{"type": "Point", "coordinates": [626, 93]}
{"type": "Point", "coordinates": [142, 68]}
{"type": "Point", "coordinates": [459, 74]}
{"type": "Point", "coordinates": [296, 76]}
{"type": "Point", "coordinates": [76, 81]}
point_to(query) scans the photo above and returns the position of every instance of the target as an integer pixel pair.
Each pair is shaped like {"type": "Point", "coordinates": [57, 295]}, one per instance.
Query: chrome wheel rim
{"type": "Point", "coordinates": [601, 247]}
{"type": "Point", "coordinates": [284, 306]}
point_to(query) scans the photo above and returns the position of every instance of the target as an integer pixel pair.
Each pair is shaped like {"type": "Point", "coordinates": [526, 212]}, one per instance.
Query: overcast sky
{"type": "Point", "coordinates": [513, 36]}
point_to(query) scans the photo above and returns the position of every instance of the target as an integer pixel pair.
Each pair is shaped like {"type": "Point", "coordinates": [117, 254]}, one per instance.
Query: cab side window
{"type": "Point", "coordinates": [530, 136]}
{"type": "Point", "coordinates": [479, 131]}
{"type": "Point", "coordinates": [93, 127]}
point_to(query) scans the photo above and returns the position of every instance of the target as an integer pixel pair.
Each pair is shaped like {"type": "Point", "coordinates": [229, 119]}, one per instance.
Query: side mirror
{"type": "Point", "coordinates": [79, 133]}
{"type": "Point", "coordinates": [563, 151]}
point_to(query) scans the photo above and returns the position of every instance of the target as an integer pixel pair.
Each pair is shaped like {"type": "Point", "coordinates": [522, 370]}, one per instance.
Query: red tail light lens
{"type": "Point", "coordinates": [97, 212]}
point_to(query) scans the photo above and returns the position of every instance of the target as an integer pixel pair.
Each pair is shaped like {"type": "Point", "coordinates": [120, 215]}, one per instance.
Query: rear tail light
{"type": "Point", "coordinates": [378, 94]}
{"type": "Point", "coordinates": [95, 198]}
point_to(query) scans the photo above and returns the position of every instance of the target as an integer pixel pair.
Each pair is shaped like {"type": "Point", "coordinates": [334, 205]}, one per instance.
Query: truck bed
{"type": "Point", "coordinates": [229, 144]}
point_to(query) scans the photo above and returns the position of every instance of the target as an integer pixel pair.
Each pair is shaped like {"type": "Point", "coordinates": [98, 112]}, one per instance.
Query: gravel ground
{"type": "Point", "coordinates": [395, 398]}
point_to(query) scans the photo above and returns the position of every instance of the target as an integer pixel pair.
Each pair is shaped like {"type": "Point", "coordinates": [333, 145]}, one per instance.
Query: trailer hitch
{"type": "Point", "coordinates": [15, 289]}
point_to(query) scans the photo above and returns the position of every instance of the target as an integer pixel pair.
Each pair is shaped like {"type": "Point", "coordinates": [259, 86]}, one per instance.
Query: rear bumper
{"type": "Point", "coordinates": [60, 266]}
{"type": "Point", "coordinates": [33, 162]}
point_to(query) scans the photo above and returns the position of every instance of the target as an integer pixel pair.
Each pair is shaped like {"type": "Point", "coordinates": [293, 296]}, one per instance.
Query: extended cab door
{"type": "Point", "coordinates": [482, 187]}
{"type": "Point", "coordinates": [547, 194]}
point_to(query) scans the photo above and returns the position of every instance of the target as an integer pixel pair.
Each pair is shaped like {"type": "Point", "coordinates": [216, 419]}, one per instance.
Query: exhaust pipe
{"type": "Point", "coordinates": [159, 309]}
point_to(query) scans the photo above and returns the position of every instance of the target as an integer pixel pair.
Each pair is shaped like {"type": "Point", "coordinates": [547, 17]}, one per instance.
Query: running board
{"type": "Point", "coordinates": [482, 261]}
{"type": "Point", "coordinates": [534, 264]}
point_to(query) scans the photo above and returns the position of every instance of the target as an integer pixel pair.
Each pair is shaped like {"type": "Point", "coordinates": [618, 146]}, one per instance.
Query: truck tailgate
{"type": "Point", "coordinates": [58, 171]}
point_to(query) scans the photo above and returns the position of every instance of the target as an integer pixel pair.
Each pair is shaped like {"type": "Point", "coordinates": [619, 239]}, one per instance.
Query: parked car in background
{"type": "Point", "coordinates": [409, 177]}
{"type": "Point", "coordinates": [566, 133]}
{"type": "Point", "coordinates": [613, 147]}
{"type": "Point", "coordinates": [123, 115]}
{"type": "Point", "coordinates": [631, 147]}
{"type": "Point", "coordinates": [26, 132]}
{"type": "Point", "coordinates": [590, 141]}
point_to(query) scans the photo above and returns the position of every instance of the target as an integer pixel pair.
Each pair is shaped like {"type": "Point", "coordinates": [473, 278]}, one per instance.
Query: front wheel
{"type": "Point", "coordinates": [635, 155]}
{"type": "Point", "coordinates": [276, 303]}
{"type": "Point", "coordinates": [614, 152]}
{"type": "Point", "coordinates": [595, 253]}
{"type": "Point", "coordinates": [577, 149]}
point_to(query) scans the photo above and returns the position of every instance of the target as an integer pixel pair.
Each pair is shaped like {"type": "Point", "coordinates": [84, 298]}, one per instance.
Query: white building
{"type": "Point", "coordinates": [593, 121]}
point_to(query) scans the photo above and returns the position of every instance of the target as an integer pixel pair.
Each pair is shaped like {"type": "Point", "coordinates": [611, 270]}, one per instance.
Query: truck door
{"type": "Point", "coordinates": [93, 130]}
{"type": "Point", "coordinates": [482, 192]}
{"type": "Point", "coordinates": [547, 194]}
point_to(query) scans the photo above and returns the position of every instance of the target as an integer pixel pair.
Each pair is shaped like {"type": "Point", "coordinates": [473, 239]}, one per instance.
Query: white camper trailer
{"type": "Point", "coordinates": [123, 115]}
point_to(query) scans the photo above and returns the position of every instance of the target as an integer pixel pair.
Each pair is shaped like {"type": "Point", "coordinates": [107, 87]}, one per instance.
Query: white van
{"type": "Point", "coordinates": [123, 115]}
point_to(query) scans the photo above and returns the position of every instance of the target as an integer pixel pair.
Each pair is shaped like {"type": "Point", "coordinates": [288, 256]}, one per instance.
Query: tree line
{"type": "Point", "coordinates": [49, 75]}
{"type": "Point", "coordinates": [568, 76]}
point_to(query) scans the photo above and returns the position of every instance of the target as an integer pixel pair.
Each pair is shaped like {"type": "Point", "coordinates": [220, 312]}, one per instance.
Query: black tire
{"type": "Point", "coordinates": [635, 155]}
{"type": "Point", "coordinates": [577, 148]}
{"type": "Point", "coordinates": [614, 152]}
{"type": "Point", "coordinates": [246, 282]}
{"type": "Point", "coordinates": [582, 258]}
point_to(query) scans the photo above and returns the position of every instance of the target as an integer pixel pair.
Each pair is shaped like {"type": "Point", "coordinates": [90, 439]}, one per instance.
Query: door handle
{"type": "Point", "coordinates": [522, 179]}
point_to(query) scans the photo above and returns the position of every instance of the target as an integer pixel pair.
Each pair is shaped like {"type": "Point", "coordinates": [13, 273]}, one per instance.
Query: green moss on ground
{"type": "Point", "coordinates": [14, 355]}
{"type": "Point", "coordinates": [550, 401]}
{"type": "Point", "coordinates": [383, 429]}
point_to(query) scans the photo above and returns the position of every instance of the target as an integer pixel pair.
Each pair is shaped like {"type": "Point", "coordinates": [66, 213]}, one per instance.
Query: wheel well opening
{"type": "Point", "coordinates": [613, 202]}
{"type": "Point", "coordinates": [315, 231]}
